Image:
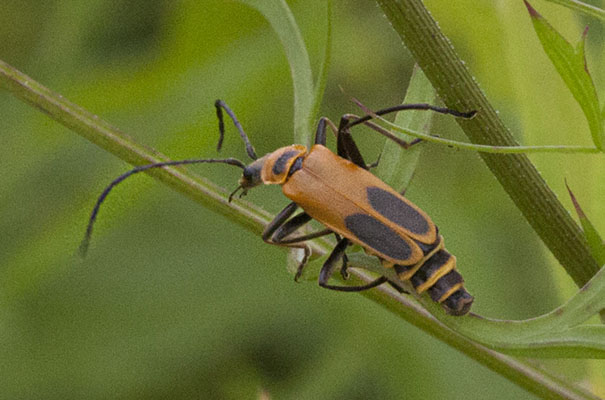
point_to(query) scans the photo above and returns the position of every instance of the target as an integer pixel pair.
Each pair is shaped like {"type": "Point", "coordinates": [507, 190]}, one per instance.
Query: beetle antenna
{"type": "Point", "coordinates": [93, 216]}
{"type": "Point", "coordinates": [402, 107]}
{"type": "Point", "coordinates": [220, 105]}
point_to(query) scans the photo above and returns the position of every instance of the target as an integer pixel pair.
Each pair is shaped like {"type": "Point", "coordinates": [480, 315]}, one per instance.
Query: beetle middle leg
{"type": "Point", "coordinates": [331, 263]}
{"type": "Point", "coordinates": [347, 148]}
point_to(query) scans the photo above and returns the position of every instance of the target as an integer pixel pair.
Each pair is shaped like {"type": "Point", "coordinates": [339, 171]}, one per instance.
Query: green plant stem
{"type": "Point", "coordinates": [254, 219]}
{"type": "Point", "coordinates": [116, 142]}
{"type": "Point", "coordinates": [517, 175]}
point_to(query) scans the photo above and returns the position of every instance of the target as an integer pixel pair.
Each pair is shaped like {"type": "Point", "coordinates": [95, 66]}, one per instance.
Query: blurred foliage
{"type": "Point", "coordinates": [166, 304]}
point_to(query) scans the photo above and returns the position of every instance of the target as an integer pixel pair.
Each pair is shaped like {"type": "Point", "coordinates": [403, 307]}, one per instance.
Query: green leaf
{"type": "Point", "coordinates": [397, 166]}
{"type": "Point", "coordinates": [322, 75]}
{"type": "Point", "coordinates": [559, 333]}
{"type": "Point", "coordinates": [571, 65]}
{"type": "Point", "coordinates": [581, 7]}
{"type": "Point", "coordinates": [282, 21]}
{"type": "Point", "coordinates": [597, 247]}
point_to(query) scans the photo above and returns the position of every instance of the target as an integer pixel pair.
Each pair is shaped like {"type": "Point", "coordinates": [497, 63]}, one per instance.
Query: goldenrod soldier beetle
{"type": "Point", "coordinates": [338, 191]}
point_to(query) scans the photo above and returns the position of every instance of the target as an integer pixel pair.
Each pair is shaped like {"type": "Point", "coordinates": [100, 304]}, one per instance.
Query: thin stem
{"type": "Point", "coordinates": [487, 148]}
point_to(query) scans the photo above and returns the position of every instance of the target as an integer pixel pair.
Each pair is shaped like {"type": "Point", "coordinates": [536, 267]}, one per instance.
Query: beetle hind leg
{"type": "Point", "coordinates": [328, 270]}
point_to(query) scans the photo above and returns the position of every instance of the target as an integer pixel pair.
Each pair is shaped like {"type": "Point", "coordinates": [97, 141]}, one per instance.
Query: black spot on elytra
{"type": "Point", "coordinates": [378, 236]}
{"type": "Point", "coordinates": [397, 210]}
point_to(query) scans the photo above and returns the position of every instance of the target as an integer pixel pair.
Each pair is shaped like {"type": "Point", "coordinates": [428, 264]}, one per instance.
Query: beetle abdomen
{"type": "Point", "coordinates": [437, 275]}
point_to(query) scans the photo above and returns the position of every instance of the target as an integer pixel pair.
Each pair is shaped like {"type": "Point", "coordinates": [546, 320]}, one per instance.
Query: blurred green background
{"type": "Point", "coordinates": [176, 302]}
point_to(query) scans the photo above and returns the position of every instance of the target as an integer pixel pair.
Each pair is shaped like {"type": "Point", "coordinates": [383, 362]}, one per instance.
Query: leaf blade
{"type": "Point", "coordinates": [280, 17]}
{"type": "Point", "coordinates": [397, 166]}
{"type": "Point", "coordinates": [571, 66]}
{"type": "Point", "coordinates": [595, 242]}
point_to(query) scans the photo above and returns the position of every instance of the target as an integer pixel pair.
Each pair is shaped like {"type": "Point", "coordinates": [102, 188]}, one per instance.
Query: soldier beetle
{"type": "Point", "coordinates": [338, 191]}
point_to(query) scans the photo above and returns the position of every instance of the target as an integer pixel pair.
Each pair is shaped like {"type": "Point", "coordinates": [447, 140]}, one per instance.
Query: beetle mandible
{"type": "Point", "coordinates": [338, 191]}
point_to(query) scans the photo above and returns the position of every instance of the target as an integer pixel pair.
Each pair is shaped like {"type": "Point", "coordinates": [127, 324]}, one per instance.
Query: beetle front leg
{"type": "Point", "coordinates": [277, 222]}
{"type": "Point", "coordinates": [331, 263]}
{"type": "Point", "coordinates": [281, 227]}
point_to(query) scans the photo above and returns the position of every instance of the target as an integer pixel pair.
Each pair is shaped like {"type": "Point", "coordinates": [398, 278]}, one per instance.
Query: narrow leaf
{"type": "Point", "coordinates": [322, 74]}
{"type": "Point", "coordinates": [282, 21]}
{"type": "Point", "coordinates": [397, 166]}
{"type": "Point", "coordinates": [571, 65]}
{"type": "Point", "coordinates": [559, 333]}
{"type": "Point", "coordinates": [597, 247]}
{"type": "Point", "coordinates": [581, 7]}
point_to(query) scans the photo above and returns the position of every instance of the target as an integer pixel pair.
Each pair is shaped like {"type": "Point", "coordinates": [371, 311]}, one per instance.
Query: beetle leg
{"type": "Point", "coordinates": [328, 269]}
{"type": "Point", "coordinates": [345, 260]}
{"type": "Point", "coordinates": [345, 145]}
{"type": "Point", "coordinates": [303, 238]}
{"type": "Point", "coordinates": [397, 287]}
{"type": "Point", "coordinates": [290, 226]}
{"type": "Point", "coordinates": [277, 222]}
{"type": "Point", "coordinates": [403, 107]}
{"type": "Point", "coordinates": [320, 132]}
{"type": "Point", "coordinates": [278, 229]}
{"type": "Point", "coordinates": [346, 124]}
{"type": "Point", "coordinates": [280, 235]}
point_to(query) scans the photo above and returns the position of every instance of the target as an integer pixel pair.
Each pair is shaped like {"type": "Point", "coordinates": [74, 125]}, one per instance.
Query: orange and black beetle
{"type": "Point", "coordinates": [338, 191]}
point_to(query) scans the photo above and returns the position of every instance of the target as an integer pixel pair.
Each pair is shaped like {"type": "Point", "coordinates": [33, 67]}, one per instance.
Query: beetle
{"type": "Point", "coordinates": [338, 191]}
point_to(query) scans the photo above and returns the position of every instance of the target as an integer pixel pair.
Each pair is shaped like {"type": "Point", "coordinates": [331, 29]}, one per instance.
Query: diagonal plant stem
{"type": "Point", "coordinates": [253, 218]}
{"type": "Point", "coordinates": [116, 142]}
{"type": "Point", "coordinates": [517, 175]}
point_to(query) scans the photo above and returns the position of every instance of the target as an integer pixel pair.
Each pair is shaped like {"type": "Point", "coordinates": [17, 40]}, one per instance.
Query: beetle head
{"type": "Point", "coordinates": [251, 177]}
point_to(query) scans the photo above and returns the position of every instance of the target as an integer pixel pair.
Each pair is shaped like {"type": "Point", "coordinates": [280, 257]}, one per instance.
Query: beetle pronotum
{"type": "Point", "coordinates": [338, 191]}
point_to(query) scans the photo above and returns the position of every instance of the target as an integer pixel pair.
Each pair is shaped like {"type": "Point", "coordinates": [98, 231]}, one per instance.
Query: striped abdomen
{"type": "Point", "coordinates": [436, 274]}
